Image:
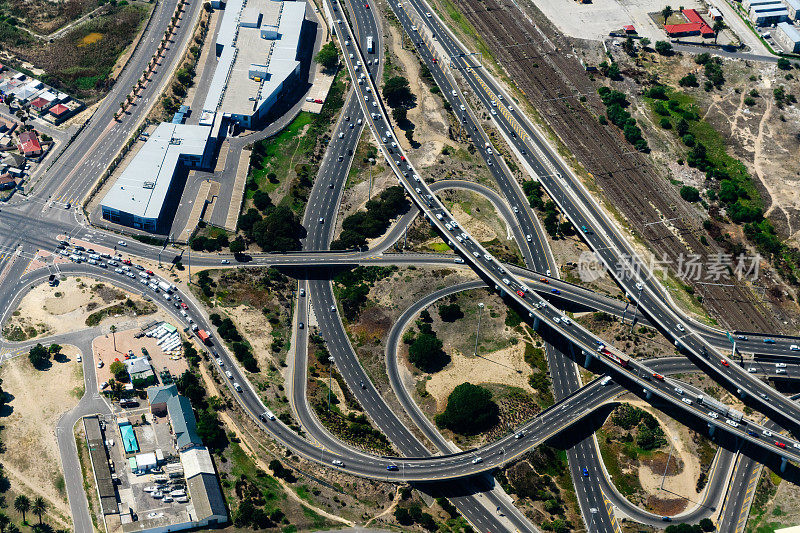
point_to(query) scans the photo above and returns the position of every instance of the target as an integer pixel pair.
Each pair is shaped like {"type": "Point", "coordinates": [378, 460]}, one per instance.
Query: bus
{"type": "Point", "coordinates": [370, 45]}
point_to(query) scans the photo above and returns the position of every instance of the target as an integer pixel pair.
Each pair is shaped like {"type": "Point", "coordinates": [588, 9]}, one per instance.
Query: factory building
{"type": "Point", "coordinates": [141, 194]}
{"type": "Point", "coordinates": [768, 13]}
{"type": "Point", "coordinates": [793, 7]}
{"type": "Point", "coordinates": [258, 47]}
{"type": "Point", "coordinates": [788, 37]}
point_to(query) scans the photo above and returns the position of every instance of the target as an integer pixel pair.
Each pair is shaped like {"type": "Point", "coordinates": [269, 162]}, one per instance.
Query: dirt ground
{"type": "Point", "coordinates": [256, 330]}
{"type": "Point", "coordinates": [103, 348]}
{"type": "Point", "coordinates": [37, 401]}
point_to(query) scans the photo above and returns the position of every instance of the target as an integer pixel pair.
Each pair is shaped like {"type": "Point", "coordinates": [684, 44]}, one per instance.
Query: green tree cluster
{"type": "Point", "coordinates": [39, 356]}
{"type": "Point", "coordinates": [398, 93]}
{"type": "Point", "coordinates": [616, 103]}
{"type": "Point", "coordinates": [328, 56]}
{"type": "Point", "coordinates": [372, 222]}
{"type": "Point", "coordinates": [470, 410]}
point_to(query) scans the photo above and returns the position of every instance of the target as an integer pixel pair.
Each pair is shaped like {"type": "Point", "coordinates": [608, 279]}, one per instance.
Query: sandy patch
{"type": "Point", "coordinates": [257, 330]}
{"type": "Point", "coordinates": [479, 229]}
{"type": "Point", "coordinates": [685, 481]}
{"type": "Point", "coordinates": [103, 350]}
{"type": "Point", "coordinates": [496, 367]}
{"type": "Point", "coordinates": [39, 399]}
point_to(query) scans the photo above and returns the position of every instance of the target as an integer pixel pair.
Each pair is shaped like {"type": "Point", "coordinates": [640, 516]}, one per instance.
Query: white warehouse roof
{"type": "Point", "coordinates": [142, 187]}
{"type": "Point", "coordinates": [790, 31]}
{"type": "Point", "coordinates": [197, 461]}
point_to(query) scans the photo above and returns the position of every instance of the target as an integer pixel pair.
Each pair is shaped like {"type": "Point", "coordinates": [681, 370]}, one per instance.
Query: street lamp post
{"type": "Point", "coordinates": [478, 332]}
{"type": "Point", "coordinates": [330, 380]}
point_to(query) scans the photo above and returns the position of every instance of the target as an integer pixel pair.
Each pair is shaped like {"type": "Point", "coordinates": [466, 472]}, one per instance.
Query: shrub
{"type": "Point", "coordinates": [690, 80]}
{"type": "Point", "coordinates": [426, 353]}
{"type": "Point", "coordinates": [689, 193]}
{"type": "Point", "coordinates": [665, 123]}
{"type": "Point", "coordinates": [663, 47]}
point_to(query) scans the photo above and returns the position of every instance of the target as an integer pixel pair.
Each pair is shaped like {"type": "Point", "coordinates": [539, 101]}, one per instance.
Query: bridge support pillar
{"type": "Point", "coordinates": [536, 324]}
{"type": "Point", "coordinates": [588, 359]}
{"type": "Point", "coordinates": [783, 464]}
{"type": "Point", "coordinates": [648, 393]}
{"type": "Point", "coordinates": [711, 428]}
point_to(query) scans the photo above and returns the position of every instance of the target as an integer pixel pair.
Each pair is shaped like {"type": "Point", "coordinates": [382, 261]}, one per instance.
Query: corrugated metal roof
{"type": "Point", "coordinates": [790, 31]}
{"type": "Point", "coordinates": [183, 422]}
{"type": "Point", "coordinates": [197, 461]}
{"type": "Point", "coordinates": [206, 497]}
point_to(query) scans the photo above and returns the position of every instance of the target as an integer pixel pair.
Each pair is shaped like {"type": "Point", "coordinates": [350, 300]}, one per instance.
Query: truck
{"type": "Point", "coordinates": [204, 336]}
{"type": "Point", "coordinates": [720, 407]}
{"type": "Point", "coordinates": [166, 287]}
{"type": "Point", "coordinates": [370, 45]}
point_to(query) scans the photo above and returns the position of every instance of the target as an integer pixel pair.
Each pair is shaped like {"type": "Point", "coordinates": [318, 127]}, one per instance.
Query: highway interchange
{"type": "Point", "coordinates": [75, 172]}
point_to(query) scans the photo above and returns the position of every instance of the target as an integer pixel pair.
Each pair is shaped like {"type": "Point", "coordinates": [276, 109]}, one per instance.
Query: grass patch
{"type": "Point", "coordinates": [127, 307]}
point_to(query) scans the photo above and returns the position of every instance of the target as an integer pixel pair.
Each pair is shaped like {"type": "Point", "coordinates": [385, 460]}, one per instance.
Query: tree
{"type": "Point", "coordinates": [328, 56]}
{"type": "Point", "coordinates": [397, 92]}
{"type": "Point", "coordinates": [706, 524]}
{"type": "Point", "coordinates": [689, 193]}
{"type": "Point", "coordinates": [718, 27]}
{"type": "Point", "coordinates": [450, 312]}
{"type": "Point", "coordinates": [39, 507]}
{"type": "Point", "coordinates": [54, 349]}
{"type": "Point", "coordinates": [470, 410]}
{"type": "Point", "coordinates": [22, 504]}
{"type": "Point", "coordinates": [4, 521]}
{"type": "Point", "coordinates": [38, 356]}
{"type": "Point", "coordinates": [663, 48]}
{"type": "Point", "coordinates": [784, 64]}
{"type": "Point", "coordinates": [237, 246]}
{"type": "Point", "coordinates": [278, 231]}
{"type": "Point", "coordinates": [426, 353]}
{"type": "Point", "coordinates": [690, 80]}
{"type": "Point", "coordinates": [645, 42]}
{"type": "Point", "coordinates": [113, 330]}
{"type": "Point", "coordinates": [118, 369]}
{"type": "Point", "coordinates": [666, 13]}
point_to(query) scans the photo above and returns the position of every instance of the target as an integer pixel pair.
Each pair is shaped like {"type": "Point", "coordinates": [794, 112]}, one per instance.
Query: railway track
{"type": "Point", "coordinates": [543, 66]}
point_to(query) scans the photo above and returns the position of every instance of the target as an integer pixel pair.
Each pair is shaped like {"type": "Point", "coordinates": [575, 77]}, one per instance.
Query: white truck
{"type": "Point", "coordinates": [723, 409]}
{"type": "Point", "coordinates": [166, 287]}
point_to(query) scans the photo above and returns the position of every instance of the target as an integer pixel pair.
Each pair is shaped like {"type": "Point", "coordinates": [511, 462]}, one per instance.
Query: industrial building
{"type": "Point", "coordinates": [258, 47]}
{"type": "Point", "coordinates": [793, 7]}
{"type": "Point", "coordinates": [139, 196]}
{"type": "Point", "coordinates": [766, 14]}
{"type": "Point", "coordinates": [788, 37]}
{"type": "Point", "coordinates": [695, 26]}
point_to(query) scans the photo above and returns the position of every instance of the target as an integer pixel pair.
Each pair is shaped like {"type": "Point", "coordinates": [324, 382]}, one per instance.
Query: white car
{"type": "Point", "coordinates": [732, 423]}
{"type": "Point", "coordinates": [463, 108]}
{"type": "Point", "coordinates": [428, 14]}
{"type": "Point", "coordinates": [528, 237]}
{"type": "Point", "coordinates": [100, 364]}
{"type": "Point", "coordinates": [337, 462]}
{"type": "Point", "coordinates": [79, 358]}
{"type": "Point", "coordinates": [713, 415]}
{"type": "Point", "coordinates": [794, 347]}
{"type": "Point", "coordinates": [687, 401]}
{"type": "Point", "coordinates": [220, 362]}
{"type": "Point", "coordinates": [780, 365]}
{"type": "Point", "coordinates": [477, 460]}
{"type": "Point", "coordinates": [225, 262]}
{"type": "Point", "coordinates": [122, 243]}
{"type": "Point", "coordinates": [752, 370]}
{"type": "Point", "coordinates": [680, 328]}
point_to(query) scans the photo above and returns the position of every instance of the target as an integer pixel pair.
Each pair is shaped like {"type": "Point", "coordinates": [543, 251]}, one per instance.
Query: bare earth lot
{"type": "Point", "coordinates": [38, 399]}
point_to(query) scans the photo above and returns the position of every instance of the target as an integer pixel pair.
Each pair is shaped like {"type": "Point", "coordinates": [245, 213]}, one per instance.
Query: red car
{"type": "Point", "coordinates": [658, 376]}
{"type": "Point", "coordinates": [543, 280]}
{"type": "Point", "coordinates": [724, 362]}
{"type": "Point", "coordinates": [402, 158]}
{"type": "Point", "coordinates": [779, 444]}
{"type": "Point", "coordinates": [318, 100]}
{"type": "Point", "coordinates": [127, 262]}
{"type": "Point", "coordinates": [521, 294]}
{"type": "Point", "coordinates": [149, 272]}
{"type": "Point", "coordinates": [184, 305]}
{"type": "Point", "coordinates": [366, 5]}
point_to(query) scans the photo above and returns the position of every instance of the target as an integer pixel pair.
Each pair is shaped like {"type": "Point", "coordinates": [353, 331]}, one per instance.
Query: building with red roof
{"type": "Point", "coordinates": [40, 104]}
{"type": "Point", "coordinates": [629, 28]}
{"type": "Point", "coordinates": [29, 144]}
{"type": "Point", "coordinates": [58, 110]}
{"type": "Point", "coordinates": [695, 26]}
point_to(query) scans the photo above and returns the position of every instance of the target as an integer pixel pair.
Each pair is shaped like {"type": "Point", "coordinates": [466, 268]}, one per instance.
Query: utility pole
{"type": "Point", "coordinates": [635, 309]}
{"type": "Point", "coordinates": [478, 332]}
{"type": "Point", "coordinates": [330, 381]}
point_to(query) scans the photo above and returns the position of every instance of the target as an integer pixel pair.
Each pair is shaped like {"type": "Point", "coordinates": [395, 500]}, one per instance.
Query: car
{"type": "Point", "coordinates": [752, 370]}
{"type": "Point", "coordinates": [732, 423]}
{"type": "Point", "coordinates": [666, 519]}
{"type": "Point", "coordinates": [477, 460]}
{"type": "Point", "coordinates": [414, 28]}
{"type": "Point", "coordinates": [680, 328]}
{"type": "Point", "coordinates": [780, 444]}
{"type": "Point", "coordinates": [366, 6]}
{"type": "Point", "coordinates": [796, 445]}
{"type": "Point", "coordinates": [392, 468]}
{"type": "Point", "coordinates": [122, 243]}
{"type": "Point", "coordinates": [741, 337]}
{"type": "Point", "coordinates": [516, 209]}
{"type": "Point", "coordinates": [100, 364]}
{"type": "Point", "coordinates": [519, 435]}
{"type": "Point", "coordinates": [555, 291]}
{"type": "Point", "coordinates": [521, 294]}
{"type": "Point", "coordinates": [780, 370]}
{"type": "Point", "coordinates": [184, 306]}
{"type": "Point", "coordinates": [713, 415]}
{"type": "Point", "coordinates": [228, 373]}
{"type": "Point", "coordinates": [337, 462]}
{"type": "Point", "coordinates": [428, 14]}
{"type": "Point", "coordinates": [321, 220]}
{"type": "Point", "coordinates": [723, 362]}
{"type": "Point", "coordinates": [528, 237]}
{"type": "Point", "coordinates": [585, 472]}
{"type": "Point", "coordinates": [767, 433]}
{"type": "Point", "coordinates": [333, 309]}
{"type": "Point", "coordinates": [302, 292]}
{"type": "Point", "coordinates": [225, 262]}
{"type": "Point", "coordinates": [300, 325]}
{"type": "Point", "coordinates": [687, 401]}
{"type": "Point", "coordinates": [543, 280]}
{"type": "Point", "coordinates": [780, 365]}
{"type": "Point", "coordinates": [794, 347]}
{"type": "Point", "coordinates": [78, 358]}
{"type": "Point", "coordinates": [220, 362]}
{"type": "Point", "coordinates": [769, 341]}
{"type": "Point", "coordinates": [658, 376]}
{"type": "Point", "coordinates": [678, 390]}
